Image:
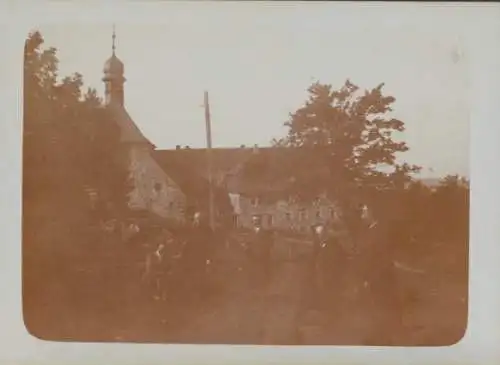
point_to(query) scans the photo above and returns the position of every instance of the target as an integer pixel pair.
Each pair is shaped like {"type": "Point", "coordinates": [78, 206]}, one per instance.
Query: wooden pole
{"type": "Point", "coordinates": [211, 211]}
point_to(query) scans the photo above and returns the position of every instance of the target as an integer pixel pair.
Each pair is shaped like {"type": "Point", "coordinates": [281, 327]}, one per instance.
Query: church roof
{"type": "Point", "coordinates": [130, 133]}
{"type": "Point", "coordinates": [114, 66]}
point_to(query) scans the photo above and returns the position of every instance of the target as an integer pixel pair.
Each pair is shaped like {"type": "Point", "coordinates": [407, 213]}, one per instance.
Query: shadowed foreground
{"type": "Point", "coordinates": [101, 302]}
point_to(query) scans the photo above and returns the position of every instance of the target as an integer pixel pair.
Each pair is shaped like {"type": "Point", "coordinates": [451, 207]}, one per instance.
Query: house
{"type": "Point", "coordinates": [195, 187]}
{"type": "Point", "coordinates": [153, 189]}
{"type": "Point", "coordinates": [252, 195]}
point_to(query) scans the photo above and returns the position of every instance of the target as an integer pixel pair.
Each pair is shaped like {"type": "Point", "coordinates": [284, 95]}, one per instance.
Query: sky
{"type": "Point", "coordinates": [257, 61]}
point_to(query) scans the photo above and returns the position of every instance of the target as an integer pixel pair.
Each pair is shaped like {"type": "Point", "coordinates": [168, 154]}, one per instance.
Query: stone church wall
{"type": "Point", "coordinates": [154, 189]}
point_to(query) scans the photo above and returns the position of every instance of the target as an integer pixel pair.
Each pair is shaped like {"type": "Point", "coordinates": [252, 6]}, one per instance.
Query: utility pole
{"type": "Point", "coordinates": [209, 163]}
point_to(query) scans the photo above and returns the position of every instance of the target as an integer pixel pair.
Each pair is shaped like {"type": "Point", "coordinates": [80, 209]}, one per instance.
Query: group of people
{"type": "Point", "coordinates": [174, 261]}
{"type": "Point", "coordinates": [325, 240]}
{"type": "Point", "coordinates": [357, 270]}
{"type": "Point", "coordinates": [259, 251]}
{"type": "Point", "coordinates": [335, 258]}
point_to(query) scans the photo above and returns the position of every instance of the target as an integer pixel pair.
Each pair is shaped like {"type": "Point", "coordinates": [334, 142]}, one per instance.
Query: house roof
{"type": "Point", "coordinates": [129, 131]}
{"type": "Point", "coordinates": [244, 171]}
{"type": "Point", "coordinates": [223, 159]}
{"type": "Point", "coordinates": [194, 184]}
{"type": "Point", "coordinates": [239, 170]}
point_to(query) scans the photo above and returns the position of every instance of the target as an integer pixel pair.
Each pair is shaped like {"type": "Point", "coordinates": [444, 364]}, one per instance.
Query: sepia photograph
{"type": "Point", "coordinates": [240, 177]}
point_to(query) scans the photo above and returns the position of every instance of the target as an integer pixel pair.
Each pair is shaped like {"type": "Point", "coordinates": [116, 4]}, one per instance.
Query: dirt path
{"type": "Point", "coordinates": [252, 315]}
{"type": "Point", "coordinates": [237, 312]}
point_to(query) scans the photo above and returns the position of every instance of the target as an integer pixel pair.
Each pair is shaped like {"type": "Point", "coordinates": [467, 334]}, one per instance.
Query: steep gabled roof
{"type": "Point", "coordinates": [130, 133]}
{"type": "Point", "coordinates": [194, 184]}
{"type": "Point", "coordinates": [223, 159]}
{"type": "Point", "coordinates": [246, 172]}
{"type": "Point", "coordinates": [230, 163]}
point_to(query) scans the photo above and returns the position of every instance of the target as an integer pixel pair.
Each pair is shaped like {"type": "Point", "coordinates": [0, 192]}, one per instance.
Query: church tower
{"type": "Point", "coordinates": [113, 78]}
{"type": "Point", "coordinates": [153, 189]}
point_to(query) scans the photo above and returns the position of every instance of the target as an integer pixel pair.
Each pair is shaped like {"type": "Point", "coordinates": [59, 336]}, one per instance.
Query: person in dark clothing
{"type": "Point", "coordinates": [316, 230]}
{"type": "Point", "coordinates": [196, 256]}
{"type": "Point", "coordinates": [259, 250]}
{"type": "Point", "coordinates": [381, 286]}
{"type": "Point", "coordinates": [331, 263]}
{"type": "Point", "coordinates": [319, 241]}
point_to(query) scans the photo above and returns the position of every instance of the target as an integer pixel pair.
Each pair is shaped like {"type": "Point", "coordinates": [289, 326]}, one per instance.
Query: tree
{"type": "Point", "coordinates": [69, 143]}
{"type": "Point", "coordinates": [111, 176]}
{"type": "Point", "coordinates": [340, 142]}
{"type": "Point", "coordinates": [450, 208]}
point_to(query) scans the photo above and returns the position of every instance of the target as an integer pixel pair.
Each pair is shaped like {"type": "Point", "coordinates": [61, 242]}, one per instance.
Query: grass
{"type": "Point", "coordinates": [84, 285]}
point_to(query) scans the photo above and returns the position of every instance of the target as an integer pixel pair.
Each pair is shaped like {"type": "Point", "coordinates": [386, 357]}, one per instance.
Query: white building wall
{"type": "Point", "coordinates": [287, 215]}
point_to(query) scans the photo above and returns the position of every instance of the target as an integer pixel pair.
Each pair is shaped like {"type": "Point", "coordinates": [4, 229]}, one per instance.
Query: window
{"type": "Point", "coordinates": [93, 198]}
{"type": "Point", "coordinates": [334, 214]}
{"type": "Point", "coordinates": [271, 220]}
{"type": "Point", "coordinates": [318, 214]}
{"type": "Point", "coordinates": [254, 201]}
{"type": "Point", "coordinates": [157, 187]}
{"type": "Point", "coordinates": [365, 214]}
{"type": "Point", "coordinates": [288, 216]}
{"type": "Point", "coordinates": [302, 214]}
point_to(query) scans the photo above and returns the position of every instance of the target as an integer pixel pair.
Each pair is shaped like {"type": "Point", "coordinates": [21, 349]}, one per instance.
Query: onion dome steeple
{"type": "Point", "coordinates": [113, 77]}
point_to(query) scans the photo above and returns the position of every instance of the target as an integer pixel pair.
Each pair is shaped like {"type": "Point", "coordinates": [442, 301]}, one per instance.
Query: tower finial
{"type": "Point", "coordinates": [114, 38]}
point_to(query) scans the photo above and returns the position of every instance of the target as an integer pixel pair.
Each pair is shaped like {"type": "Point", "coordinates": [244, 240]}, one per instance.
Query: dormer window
{"type": "Point", "coordinates": [157, 187]}
{"type": "Point", "coordinates": [331, 213]}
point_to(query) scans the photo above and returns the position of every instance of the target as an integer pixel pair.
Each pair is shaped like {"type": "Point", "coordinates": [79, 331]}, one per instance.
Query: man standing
{"type": "Point", "coordinates": [313, 282]}
{"type": "Point", "coordinates": [196, 255]}
{"type": "Point", "coordinates": [318, 243]}
{"type": "Point", "coordinates": [330, 259]}
{"type": "Point", "coordinates": [260, 247]}
{"type": "Point", "coordinates": [382, 286]}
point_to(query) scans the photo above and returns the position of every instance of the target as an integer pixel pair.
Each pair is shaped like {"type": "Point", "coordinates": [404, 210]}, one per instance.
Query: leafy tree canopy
{"type": "Point", "coordinates": [341, 143]}
{"type": "Point", "coordinates": [69, 144]}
